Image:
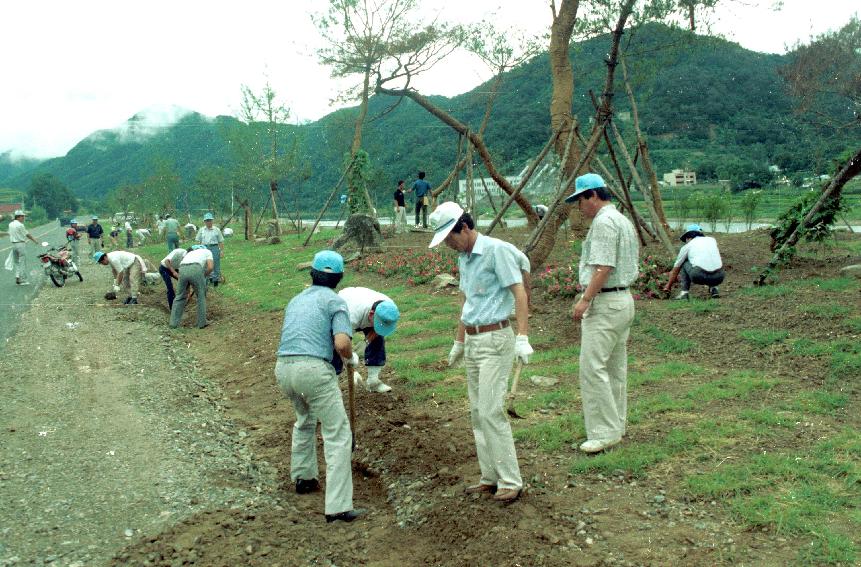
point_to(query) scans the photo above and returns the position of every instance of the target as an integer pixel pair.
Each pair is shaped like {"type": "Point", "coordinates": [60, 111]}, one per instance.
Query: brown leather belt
{"type": "Point", "coordinates": [476, 329]}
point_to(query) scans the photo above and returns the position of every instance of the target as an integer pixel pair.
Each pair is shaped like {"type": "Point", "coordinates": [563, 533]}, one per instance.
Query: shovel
{"type": "Point", "coordinates": [518, 367]}
{"type": "Point", "coordinates": [351, 389]}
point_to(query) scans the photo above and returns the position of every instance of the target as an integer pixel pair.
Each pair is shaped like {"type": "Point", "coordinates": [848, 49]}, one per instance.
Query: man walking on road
{"type": "Point", "coordinates": [74, 239]}
{"type": "Point", "coordinates": [316, 326]}
{"type": "Point", "coordinates": [193, 269]}
{"type": "Point", "coordinates": [605, 310]}
{"type": "Point", "coordinates": [171, 230]}
{"type": "Point", "coordinates": [698, 262]}
{"type": "Point", "coordinates": [128, 271]}
{"type": "Point", "coordinates": [492, 285]}
{"type": "Point", "coordinates": [94, 235]}
{"type": "Point", "coordinates": [376, 315]}
{"type": "Point", "coordinates": [18, 236]}
{"type": "Point", "coordinates": [211, 237]}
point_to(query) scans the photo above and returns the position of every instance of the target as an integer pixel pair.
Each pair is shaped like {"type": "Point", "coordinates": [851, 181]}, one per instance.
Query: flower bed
{"type": "Point", "coordinates": [561, 281]}
{"type": "Point", "coordinates": [414, 266]}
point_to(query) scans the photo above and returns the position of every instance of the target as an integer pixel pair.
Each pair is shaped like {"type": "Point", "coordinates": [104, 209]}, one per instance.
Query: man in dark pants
{"type": "Point", "coordinates": [422, 190]}
{"type": "Point", "coordinates": [698, 262]}
{"type": "Point", "coordinates": [169, 270]}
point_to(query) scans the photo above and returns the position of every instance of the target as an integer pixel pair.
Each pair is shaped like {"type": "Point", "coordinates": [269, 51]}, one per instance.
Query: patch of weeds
{"type": "Point", "coordinates": [829, 548]}
{"type": "Point", "coordinates": [809, 347]}
{"type": "Point", "coordinates": [821, 402]}
{"type": "Point", "coordinates": [767, 291]}
{"type": "Point", "coordinates": [561, 397]}
{"type": "Point", "coordinates": [845, 361]}
{"type": "Point", "coordinates": [551, 436]}
{"type": "Point", "coordinates": [698, 306]}
{"type": "Point", "coordinates": [405, 331]}
{"type": "Point", "coordinates": [668, 343]}
{"type": "Point", "coordinates": [769, 417]}
{"type": "Point", "coordinates": [554, 354]}
{"type": "Point", "coordinates": [660, 372]}
{"type": "Point", "coordinates": [561, 370]}
{"type": "Point", "coordinates": [764, 337]}
{"type": "Point", "coordinates": [829, 284]}
{"type": "Point", "coordinates": [431, 341]}
{"type": "Point", "coordinates": [653, 405]}
{"type": "Point", "coordinates": [736, 385]}
{"type": "Point", "coordinates": [442, 393]}
{"type": "Point", "coordinates": [634, 459]}
{"type": "Point", "coordinates": [854, 323]}
{"type": "Point", "coordinates": [826, 310]}
{"type": "Point", "coordinates": [414, 374]}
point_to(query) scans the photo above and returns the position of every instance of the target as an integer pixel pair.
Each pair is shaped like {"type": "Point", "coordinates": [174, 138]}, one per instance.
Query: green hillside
{"type": "Point", "coordinates": [705, 103]}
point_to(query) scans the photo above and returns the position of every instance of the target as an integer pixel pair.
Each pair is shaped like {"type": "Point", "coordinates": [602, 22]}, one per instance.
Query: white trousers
{"type": "Point", "coordinates": [19, 257]}
{"type": "Point", "coordinates": [312, 386]}
{"type": "Point", "coordinates": [489, 358]}
{"type": "Point", "coordinates": [604, 364]}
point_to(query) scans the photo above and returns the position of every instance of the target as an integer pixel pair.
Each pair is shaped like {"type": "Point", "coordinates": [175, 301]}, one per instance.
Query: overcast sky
{"type": "Point", "coordinates": [71, 67]}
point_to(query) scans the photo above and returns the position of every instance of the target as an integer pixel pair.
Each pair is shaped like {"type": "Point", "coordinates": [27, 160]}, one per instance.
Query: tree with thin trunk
{"type": "Point", "coordinates": [369, 38]}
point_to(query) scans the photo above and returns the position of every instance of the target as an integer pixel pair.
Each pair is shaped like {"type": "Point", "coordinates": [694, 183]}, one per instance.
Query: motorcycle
{"type": "Point", "coordinates": [58, 265]}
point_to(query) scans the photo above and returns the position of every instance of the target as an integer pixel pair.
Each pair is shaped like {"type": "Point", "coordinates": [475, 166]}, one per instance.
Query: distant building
{"type": "Point", "coordinates": [9, 208]}
{"type": "Point", "coordinates": [681, 177]}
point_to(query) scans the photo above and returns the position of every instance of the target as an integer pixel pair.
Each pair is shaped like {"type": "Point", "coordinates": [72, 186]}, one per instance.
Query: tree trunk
{"type": "Point", "coordinates": [847, 171]}
{"type": "Point", "coordinates": [273, 193]}
{"type": "Point", "coordinates": [357, 137]}
{"type": "Point", "coordinates": [475, 139]}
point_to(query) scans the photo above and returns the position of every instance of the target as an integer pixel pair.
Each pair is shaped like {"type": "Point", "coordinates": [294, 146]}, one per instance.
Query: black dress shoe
{"type": "Point", "coordinates": [307, 486]}
{"type": "Point", "coordinates": [347, 516]}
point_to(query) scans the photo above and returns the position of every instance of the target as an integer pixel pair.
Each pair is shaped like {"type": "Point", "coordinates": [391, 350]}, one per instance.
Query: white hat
{"type": "Point", "coordinates": [19, 213]}
{"type": "Point", "coordinates": [443, 219]}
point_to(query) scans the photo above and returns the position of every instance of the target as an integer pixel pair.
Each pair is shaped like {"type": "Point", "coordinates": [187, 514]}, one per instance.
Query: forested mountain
{"type": "Point", "coordinates": [705, 104]}
{"type": "Point", "coordinates": [12, 167]}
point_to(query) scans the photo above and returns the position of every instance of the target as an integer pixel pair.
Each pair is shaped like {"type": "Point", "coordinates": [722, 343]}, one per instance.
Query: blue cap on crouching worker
{"type": "Point", "coordinates": [328, 261]}
{"type": "Point", "coordinates": [691, 231]}
{"type": "Point", "coordinates": [386, 317]}
{"type": "Point", "coordinates": [98, 256]}
{"type": "Point", "coordinates": [583, 184]}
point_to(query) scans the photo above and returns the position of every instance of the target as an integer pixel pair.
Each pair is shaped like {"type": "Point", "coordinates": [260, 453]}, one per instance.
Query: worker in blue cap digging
{"type": "Point", "coordinates": [698, 262]}
{"type": "Point", "coordinates": [376, 315]}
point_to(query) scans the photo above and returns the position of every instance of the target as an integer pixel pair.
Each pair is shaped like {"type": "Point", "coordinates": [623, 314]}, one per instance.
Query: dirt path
{"type": "Point", "coordinates": [108, 432]}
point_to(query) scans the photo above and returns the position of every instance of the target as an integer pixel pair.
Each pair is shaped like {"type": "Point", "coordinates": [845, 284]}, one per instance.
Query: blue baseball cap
{"type": "Point", "coordinates": [692, 230]}
{"type": "Point", "coordinates": [583, 184]}
{"type": "Point", "coordinates": [386, 317]}
{"type": "Point", "coordinates": [328, 261]}
{"type": "Point", "coordinates": [208, 216]}
{"type": "Point", "coordinates": [197, 246]}
{"type": "Point", "coordinates": [98, 255]}
{"type": "Point", "coordinates": [73, 221]}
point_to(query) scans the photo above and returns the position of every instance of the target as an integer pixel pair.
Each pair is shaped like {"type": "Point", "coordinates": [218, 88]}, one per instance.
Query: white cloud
{"type": "Point", "coordinates": [71, 68]}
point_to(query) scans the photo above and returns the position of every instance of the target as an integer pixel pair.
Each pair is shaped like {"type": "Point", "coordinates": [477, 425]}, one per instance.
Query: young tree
{"type": "Point", "coordinates": [52, 194]}
{"type": "Point", "coordinates": [369, 38]}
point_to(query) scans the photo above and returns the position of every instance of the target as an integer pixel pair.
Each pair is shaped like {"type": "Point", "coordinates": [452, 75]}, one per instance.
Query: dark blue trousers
{"type": "Point", "coordinates": [168, 283]}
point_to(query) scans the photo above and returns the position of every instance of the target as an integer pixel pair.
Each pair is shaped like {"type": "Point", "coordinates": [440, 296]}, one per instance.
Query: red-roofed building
{"type": "Point", "coordinates": [9, 208]}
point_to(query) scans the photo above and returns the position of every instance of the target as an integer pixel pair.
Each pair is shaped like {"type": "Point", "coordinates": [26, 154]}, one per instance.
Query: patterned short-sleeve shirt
{"type": "Point", "coordinates": [611, 241]}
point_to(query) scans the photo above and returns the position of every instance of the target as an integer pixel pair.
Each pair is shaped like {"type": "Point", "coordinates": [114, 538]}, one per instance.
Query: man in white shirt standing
{"type": "Point", "coordinates": [193, 269]}
{"type": "Point", "coordinates": [698, 262]}
{"type": "Point", "coordinates": [18, 236]}
{"type": "Point", "coordinates": [376, 315]}
{"type": "Point", "coordinates": [128, 271]}
{"type": "Point", "coordinates": [211, 237]}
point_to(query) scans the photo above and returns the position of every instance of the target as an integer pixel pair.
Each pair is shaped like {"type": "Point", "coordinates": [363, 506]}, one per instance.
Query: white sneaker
{"type": "Point", "coordinates": [682, 295]}
{"type": "Point", "coordinates": [377, 386]}
{"type": "Point", "coordinates": [598, 445]}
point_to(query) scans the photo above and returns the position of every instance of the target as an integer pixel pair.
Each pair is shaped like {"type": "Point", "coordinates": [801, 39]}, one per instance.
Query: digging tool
{"type": "Point", "coordinates": [518, 367]}
{"type": "Point", "coordinates": [351, 389]}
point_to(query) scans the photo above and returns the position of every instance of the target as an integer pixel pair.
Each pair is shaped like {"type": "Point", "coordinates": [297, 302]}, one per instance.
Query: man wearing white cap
{"type": "Point", "coordinates": [211, 237]}
{"type": "Point", "coordinates": [605, 310]}
{"type": "Point", "coordinates": [18, 236]}
{"type": "Point", "coordinates": [492, 285]}
{"type": "Point", "coordinates": [315, 334]}
{"type": "Point", "coordinates": [376, 315]}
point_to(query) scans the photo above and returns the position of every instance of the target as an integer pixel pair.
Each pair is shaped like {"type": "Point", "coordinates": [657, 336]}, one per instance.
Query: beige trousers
{"type": "Point", "coordinates": [489, 358]}
{"type": "Point", "coordinates": [312, 386]}
{"type": "Point", "coordinates": [604, 364]}
{"type": "Point", "coordinates": [132, 279]}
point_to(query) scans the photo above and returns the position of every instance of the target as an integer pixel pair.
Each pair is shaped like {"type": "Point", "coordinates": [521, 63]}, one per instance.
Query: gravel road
{"type": "Point", "coordinates": [109, 432]}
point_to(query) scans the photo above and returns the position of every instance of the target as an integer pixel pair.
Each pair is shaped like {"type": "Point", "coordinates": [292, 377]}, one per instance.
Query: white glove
{"type": "Point", "coordinates": [354, 360]}
{"type": "Point", "coordinates": [522, 349]}
{"type": "Point", "coordinates": [116, 288]}
{"type": "Point", "coordinates": [357, 378]}
{"type": "Point", "coordinates": [45, 245]}
{"type": "Point", "coordinates": [456, 353]}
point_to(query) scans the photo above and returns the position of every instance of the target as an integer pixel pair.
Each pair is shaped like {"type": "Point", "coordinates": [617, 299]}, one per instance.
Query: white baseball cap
{"type": "Point", "coordinates": [443, 219]}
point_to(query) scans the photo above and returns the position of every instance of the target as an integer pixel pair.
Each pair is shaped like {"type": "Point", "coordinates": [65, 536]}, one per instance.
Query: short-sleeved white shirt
{"type": "Point", "coordinates": [359, 301]}
{"type": "Point", "coordinates": [17, 231]}
{"type": "Point", "coordinates": [121, 260]}
{"type": "Point", "coordinates": [199, 257]}
{"type": "Point", "coordinates": [175, 256]}
{"type": "Point", "coordinates": [702, 251]}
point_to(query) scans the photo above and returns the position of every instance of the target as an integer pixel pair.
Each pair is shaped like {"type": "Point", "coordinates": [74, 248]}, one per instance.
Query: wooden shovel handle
{"type": "Point", "coordinates": [518, 367]}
